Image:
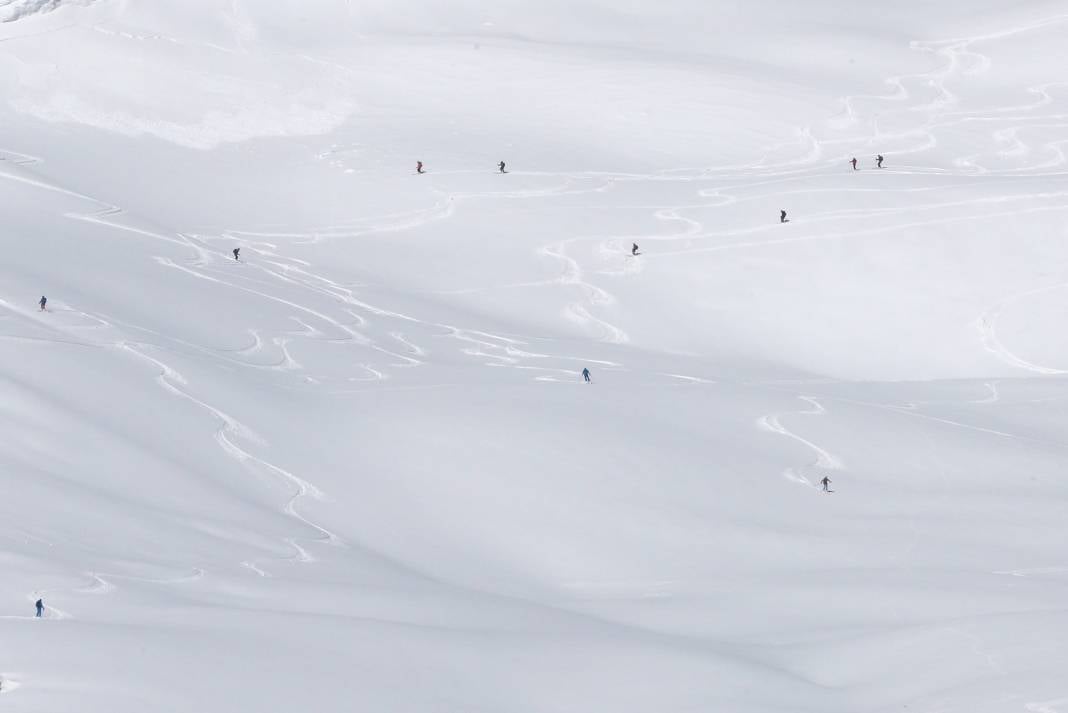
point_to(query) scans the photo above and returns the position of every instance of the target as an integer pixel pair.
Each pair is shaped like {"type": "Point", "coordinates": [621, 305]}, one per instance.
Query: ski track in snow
{"type": "Point", "coordinates": [824, 461]}
{"type": "Point", "coordinates": [987, 327]}
{"type": "Point", "coordinates": [97, 585]}
{"type": "Point", "coordinates": [255, 568]}
{"type": "Point", "coordinates": [592, 296]}
{"type": "Point", "coordinates": [173, 382]}
{"type": "Point", "coordinates": [498, 349]}
{"type": "Point", "coordinates": [1033, 571]}
{"type": "Point", "coordinates": [230, 431]}
{"type": "Point", "coordinates": [992, 397]}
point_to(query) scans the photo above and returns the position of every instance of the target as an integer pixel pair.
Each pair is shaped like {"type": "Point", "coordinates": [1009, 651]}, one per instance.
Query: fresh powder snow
{"type": "Point", "coordinates": [300, 428]}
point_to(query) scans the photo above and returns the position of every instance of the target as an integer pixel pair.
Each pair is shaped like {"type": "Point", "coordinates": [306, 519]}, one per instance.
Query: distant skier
{"type": "Point", "coordinates": [782, 216]}
{"type": "Point", "coordinates": [586, 374]}
{"type": "Point", "coordinates": [419, 167]}
{"type": "Point", "coordinates": [634, 249]}
{"type": "Point", "coordinates": [237, 253]}
{"type": "Point", "coordinates": [826, 482]}
{"type": "Point", "coordinates": [40, 608]}
{"type": "Point", "coordinates": [879, 160]}
{"type": "Point", "coordinates": [43, 301]}
{"type": "Point", "coordinates": [501, 166]}
{"type": "Point", "coordinates": [854, 162]}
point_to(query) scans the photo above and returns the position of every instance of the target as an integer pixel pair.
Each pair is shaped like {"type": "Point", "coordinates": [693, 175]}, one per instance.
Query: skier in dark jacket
{"type": "Point", "coordinates": [501, 166]}
{"type": "Point", "coordinates": [40, 607]}
{"type": "Point", "coordinates": [879, 160]}
{"type": "Point", "coordinates": [419, 167]}
{"type": "Point", "coordinates": [43, 301]}
{"type": "Point", "coordinates": [782, 216]}
{"type": "Point", "coordinates": [237, 252]}
{"type": "Point", "coordinates": [854, 162]}
{"type": "Point", "coordinates": [634, 249]}
{"type": "Point", "coordinates": [586, 375]}
{"type": "Point", "coordinates": [826, 482]}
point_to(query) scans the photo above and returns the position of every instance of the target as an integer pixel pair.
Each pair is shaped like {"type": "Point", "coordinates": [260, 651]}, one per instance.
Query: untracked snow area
{"type": "Point", "coordinates": [358, 469]}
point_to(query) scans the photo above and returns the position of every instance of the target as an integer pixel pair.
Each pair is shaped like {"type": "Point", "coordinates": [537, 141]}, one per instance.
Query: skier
{"type": "Point", "coordinates": [43, 301]}
{"type": "Point", "coordinates": [586, 374]}
{"type": "Point", "coordinates": [826, 482]}
{"type": "Point", "coordinates": [419, 167]}
{"type": "Point", "coordinates": [854, 162]}
{"type": "Point", "coordinates": [501, 166]}
{"type": "Point", "coordinates": [879, 160]}
{"type": "Point", "coordinates": [40, 608]}
{"type": "Point", "coordinates": [237, 251]}
{"type": "Point", "coordinates": [634, 249]}
{"type": "Point", "coordinates": [782, 216]}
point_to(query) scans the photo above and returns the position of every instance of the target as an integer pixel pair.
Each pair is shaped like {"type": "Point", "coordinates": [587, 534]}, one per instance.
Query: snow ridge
{"type": "Point", "coordinates": [11, 10]}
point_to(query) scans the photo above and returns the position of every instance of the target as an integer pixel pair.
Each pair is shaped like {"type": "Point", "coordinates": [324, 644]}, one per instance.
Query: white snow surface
{"type": "Point", "coordinates": [11, 10]}
{"type": "Point", "coordinates": [358, 470]}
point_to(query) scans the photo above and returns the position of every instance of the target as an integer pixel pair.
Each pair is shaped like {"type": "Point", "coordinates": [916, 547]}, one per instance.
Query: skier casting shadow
{"type": "Point", "coordinates": [826, 482]}
{"type": "Point", "coordinates": [501, 167]}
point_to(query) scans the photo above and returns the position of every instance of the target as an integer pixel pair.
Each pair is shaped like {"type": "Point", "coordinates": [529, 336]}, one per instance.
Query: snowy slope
{"type": "Point", "coordinates": [358, 469]}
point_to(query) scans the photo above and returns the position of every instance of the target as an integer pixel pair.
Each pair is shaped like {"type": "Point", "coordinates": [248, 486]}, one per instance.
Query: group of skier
{"type": "Point", "coordinates": [878, 162]}
{"type": "Point", "coordinates": [634, 248]}
{"type": "Point", "coordinates": [853, 161]}
{"type": "Point", "coordinates": [501, 166]}
{"type": "Point", "coordinates": [419, 167]}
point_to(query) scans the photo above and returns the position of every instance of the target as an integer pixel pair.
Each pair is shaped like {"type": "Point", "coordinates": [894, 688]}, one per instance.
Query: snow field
{"type": "Point", "coordinates": [358, 467]}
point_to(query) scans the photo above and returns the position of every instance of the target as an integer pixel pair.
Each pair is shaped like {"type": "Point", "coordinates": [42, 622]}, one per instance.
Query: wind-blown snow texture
{"type": "Point", "coordinates": [359, 470]}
